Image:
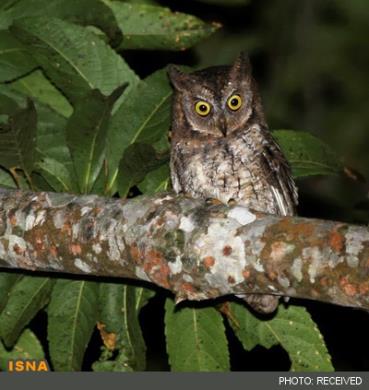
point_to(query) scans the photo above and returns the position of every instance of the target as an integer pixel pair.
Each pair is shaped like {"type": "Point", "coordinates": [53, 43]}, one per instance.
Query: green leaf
{"type": "Point", "coordinates": [72, 315]}
{"type": "Point", "coordinates": [156, 181]}
{"type": "Point", "coordinates": [27, 298]}
{"type": "Point", "coordinates": [292, 328]}
{"type": "Point", "coordinates": [56, 174]}
{"type": "Point", "coordinates": [137, 161]}
{"type": "Point", "coordinates": [157, 28]}
{"type": "Point", "coordinates": [6, 179]}
{"type": "Point", "coordinates": [143, 117]}
{"type": "Point", "coordinates": [15, 60]}
{"type": "Point", "coordinates": [85, 12]}
{"type": "Point", "coordinates": [37, 86]}
{"type": "Point", "coordinates": [86, 135]}
{"type": "Point", "coordinates": [27, 347]}
{"type": "Point", "coordinates": [119, 324]}
{"type": "Point", "coordinates": [196, 339]}
{"type": "Point", "coordinates": [307, 154]}
{"type": "Point", "coordinates": [7, 281]}
{"type": "Point", "coordinates": [143, 295]}
{"type": "Point", "coordinates": [75, 59]}
{"type": "Point", "coordinates": [8, 106]}
{"type": "Point", "coordinates": [17, 139]}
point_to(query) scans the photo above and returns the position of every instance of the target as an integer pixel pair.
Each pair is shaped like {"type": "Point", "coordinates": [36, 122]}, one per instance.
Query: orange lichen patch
{"type": "Point", "coordinates": [156, 267]}
{"type": "Point", "coordinates": [336, 241]}
{"type": "Point", "coordinates": [246, 273]}
{"type": "Point", "coordinates": [208, 261]}
{"type": "Point", "coordinates": [18, 250]}
{"type": "Point", "coordinates": [75, 249]}
{"type": "Point", "coordinates": [347, 287]}
{"type": "Point", "coordinates": [53, 251]}
{"type": "Point", "coordinates": [109, 339]}
{"type": "Point", "coordinates": [227, 250]}
{"type": "Point", "coordinates": [39, 244]}
{"type": "Point", "coordinates": [231, 279]}
{"type": "Point", "coordinates": [364, 288]}
{"type": "Point", "coordinates": [135, 253]}
{"type": "Point", "coordinates": [272, 275]}
{"type": "Point", "coordinates": [12, 218]}
{"type": "Point", "coordinates": [187, 287]}
{"type": "Point", "coordinates": [67, 229]}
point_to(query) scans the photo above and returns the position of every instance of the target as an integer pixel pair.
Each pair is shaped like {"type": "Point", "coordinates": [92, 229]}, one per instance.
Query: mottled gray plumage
{"type": "Point", "coordinates": [228, 154]}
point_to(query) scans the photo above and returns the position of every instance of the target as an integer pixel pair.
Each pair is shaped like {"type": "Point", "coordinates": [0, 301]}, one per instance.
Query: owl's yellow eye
{"type": "Point", "coordinates": [202, 108]}
{"type": "Point", "coordinates": [234, 102]}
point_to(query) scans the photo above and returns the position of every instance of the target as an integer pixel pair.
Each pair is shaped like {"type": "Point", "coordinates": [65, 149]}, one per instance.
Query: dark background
{"type": "Point", "coordinates": [311, 60]}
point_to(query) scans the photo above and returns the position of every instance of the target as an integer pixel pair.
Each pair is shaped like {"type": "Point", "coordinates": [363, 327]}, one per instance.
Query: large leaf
{"type": "Point", "coordinates": [119, 327]}
{"type": "Point", "coordinates": [7, 281]}
{"type": "Point", "coordinates": [85, 12]}
{"type": "Point", "coordinates": [40, 89]}
{"type": "Point", "coordinates": [28, 296]}
{"type": "Point", "coordinates": [143, 117]}
{"type": "Point", "coordinates": [291, 328]}
{"type": "Point", "coordinates": [72, 315]}
{"type": "Point", "coordinates": [17, 139]}
{"type": "Point", "coordinates": [15, 60]}
{"type": "Point", "coordinates": [75, 59]}
{"type": "Point", "coordinates": [27, 347]}
{"type": "Point", "coordinates": [307, 154]}
{"type": "Point", "coordinates": [86, 135]}
{"type": "Point", "coordinates": [157, 28]}
{"type": "Point", "coordinates": [227, 3]}
{"type": "Point", "coordinates": [137, 161]}
{"type": "Point", "coordinates": [6, 179]}
{"type": "Point", "coordinates": [196, 339]}
{"type": "Point", "coordinates": [156, 181]}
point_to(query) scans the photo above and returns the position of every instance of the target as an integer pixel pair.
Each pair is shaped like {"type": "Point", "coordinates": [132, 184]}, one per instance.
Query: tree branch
{"type": "Point", "coordinates": [196, 250]}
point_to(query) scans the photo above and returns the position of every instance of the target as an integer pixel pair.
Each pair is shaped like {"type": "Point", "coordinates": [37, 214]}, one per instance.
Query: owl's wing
{"type": "Point", "coordinates": [279, 176]}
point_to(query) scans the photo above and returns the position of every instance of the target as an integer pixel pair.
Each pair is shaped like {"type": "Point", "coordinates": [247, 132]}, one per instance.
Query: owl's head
{"type": "Point", "coordinates": [214, 102]}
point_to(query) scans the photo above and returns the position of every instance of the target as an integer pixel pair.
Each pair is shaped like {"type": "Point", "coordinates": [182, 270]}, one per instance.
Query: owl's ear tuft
{"type": "Point", "coordinates": [179, 79]}
{"type": "Point", "coordinates": [241, 68]}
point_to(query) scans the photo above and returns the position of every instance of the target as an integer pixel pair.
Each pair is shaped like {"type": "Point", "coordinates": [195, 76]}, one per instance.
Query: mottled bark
{"type": "Point", "coordinates": [196, 250]}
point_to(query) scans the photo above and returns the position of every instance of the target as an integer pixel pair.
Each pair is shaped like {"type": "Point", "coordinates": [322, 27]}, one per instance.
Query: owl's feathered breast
{"type": "Point", "coordinates": [248, 168]}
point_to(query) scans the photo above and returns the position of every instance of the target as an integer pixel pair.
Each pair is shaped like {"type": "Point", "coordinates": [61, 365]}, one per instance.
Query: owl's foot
{"type": "Point", "coordinates": [264, 304]}
{"type": "Point", "coordinates": [213, 202]}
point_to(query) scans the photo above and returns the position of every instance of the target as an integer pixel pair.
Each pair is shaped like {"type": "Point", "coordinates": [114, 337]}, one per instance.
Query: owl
{"type": "Point", "coordinates": [221, 147]}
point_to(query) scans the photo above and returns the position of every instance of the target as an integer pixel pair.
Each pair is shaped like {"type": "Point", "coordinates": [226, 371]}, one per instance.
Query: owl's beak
{"type": "Point", "coordinates": [223, 126]}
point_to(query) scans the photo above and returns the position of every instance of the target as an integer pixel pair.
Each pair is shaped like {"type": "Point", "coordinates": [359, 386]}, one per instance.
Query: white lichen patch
{"type": "Point", "coordinates": [85, 210]}
{"type": "Point", "coordinates": [97, 248]}
{"type": "Point", "coordinates": [82, 265]}
{"type": "Point", "coordinates": [58, 219]}
{"type": "Point", "coordinates": [75, 231]}
{"type": "Point", "coordinates": [176, 266]}
{"type": "Point", "coordinates": [242, 215]}
{"type": "Point", "coordinates": [141, 274]}
{"type": "Point", "coordinates": [30, 221]}
{"type": "Point", "coordinates": [258, 266]}
{"type": "Point", "coordinates": [161, 200]}
{"type": "Point", "coordinates": [271, 287]}
{"type": "Point", "coordinates": [280, 250]}
{"type": "Point", "coordinates": [297, 269]}
{"type": "Point", "coordinates": [283, 281]}
{"type": "Point", "coordinates": [40, 217]}
{"type": "Point", "coordinates": [16, 246]}
{"type": "Point", "coordinates": [186, 224]}
{"type": "Point", "coordinates": [187, 278]}
{"type": "Point", "coordinates": [313, 256]}
{"type": "Point", "coordinates": [355, 236]}
{"type": "Point", "coordinates": [228, 265]}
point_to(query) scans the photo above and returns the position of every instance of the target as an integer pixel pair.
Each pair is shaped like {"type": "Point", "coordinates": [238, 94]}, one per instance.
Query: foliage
{"type": "Point", "coordinates": [74, 116]}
